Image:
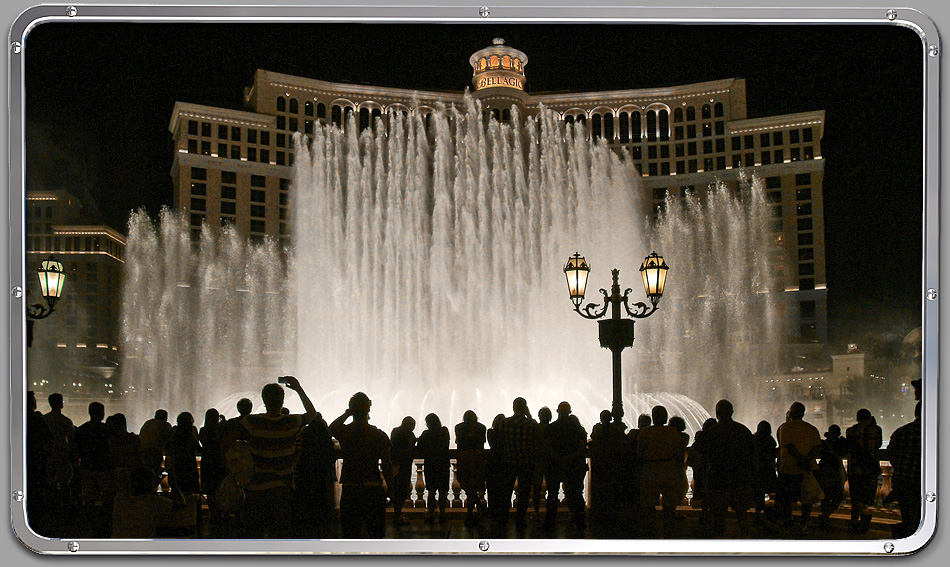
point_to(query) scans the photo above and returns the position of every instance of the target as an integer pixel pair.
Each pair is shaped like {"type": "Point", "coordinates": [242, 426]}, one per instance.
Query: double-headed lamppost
{"type": "Point", "coordinates": [52, 277]}
{"type": "Point", "coordinates": [616, 333]}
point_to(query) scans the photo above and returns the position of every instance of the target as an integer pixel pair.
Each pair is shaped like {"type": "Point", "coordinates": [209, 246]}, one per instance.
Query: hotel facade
{"type": "Point", "coordinates": [236, 166]}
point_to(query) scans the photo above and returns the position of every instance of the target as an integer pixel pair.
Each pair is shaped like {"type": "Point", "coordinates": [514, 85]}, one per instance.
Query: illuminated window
{"type": "Point", "coordinates": [795, 154]}
{"type": "Point", "coordinates": [506, 62]}
{"type": "Point", "coordinates": [493, 61]}
{"type": "Point", "coordinates": [517, 63]}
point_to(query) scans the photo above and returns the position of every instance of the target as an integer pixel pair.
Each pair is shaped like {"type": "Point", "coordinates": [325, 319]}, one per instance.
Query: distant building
{"type": "Point", "coordinates": [234, 166]}
{"type": "Point", "coordinates": [81, 338]}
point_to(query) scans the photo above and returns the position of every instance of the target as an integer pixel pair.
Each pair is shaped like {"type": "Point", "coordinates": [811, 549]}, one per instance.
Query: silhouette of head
{"type": "Point", "coordinates": [709, 423]}
{"type": "Point", "coordinates": [644, 421]}
{"type": "Point", "coordinates": [564, 408]}
{"type": "Point", "coordinates": [409, 423]}
{"type": "Point", "coordinates": [678, 423]}
{"type": "Point", "coordinates": [724, 410]}
{"type": "Point", "coordinates": [161, 415]}
{"type": "Point", "coordinates": [544, 415]}
{"type": "Point", "coordinates": [864, 414]}
{"type": "Point", "coordinates": [55, 401]}
{"type": "Point", "coordinates": [142, 480]}
{"type": "Point", "coordinates": [433, 421]}
{"type": "Point", "coordinates": [659, 415]}
{"type": "Point", "coordinates": [796, 410]}
{"type": "Point", "coordinates": [520, 405]}
{"type": "Point", "coordinates": [30, 400]}
{"type": "Point", "coordinates": [469, 417]}
{"type": "Point", "coordinates": [498, 421]}
{"type": "Point", "coordinates": [833, 432]}
{"type": "Point", "coordinates": [273, 397]}
{"type": "Point", "coordinates": [185, 420]}
{"type": "Point", "coordinates": [97, 411]}
{"type": "Point", "coordinates": [359, 404]}
{"type": "Point", "coordinates": [605, 416]}
{"type": "Point", "coordinates": [211, 417]}
{"type": "Point", "coordinates": [764, 428]}
{"type": "Point", "coordinates": [244, 407]}
{"type": "Point", "coordinates": [118, 422]}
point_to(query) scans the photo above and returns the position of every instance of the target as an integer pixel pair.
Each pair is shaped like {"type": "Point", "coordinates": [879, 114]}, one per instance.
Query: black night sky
{"type": "Point", "coordinates": [100, 96]}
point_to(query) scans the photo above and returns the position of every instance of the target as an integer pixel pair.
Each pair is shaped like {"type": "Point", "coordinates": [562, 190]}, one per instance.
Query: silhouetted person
{"type": "Point", "coordinates": [679, 424]}
{"type": "Point", "coordinates": [314, 476]}
{"type": "Point", "coordinates": [213, 470]}
{"type": "Point", "coordinates": [96, 470]}
{"type": "Point", "coordinates": [183, 449]}
{"type": "Point", "coordinates": [903, 452]}
{"type": "Point", "coordinates": [830, 474]}
{"type": "Point", "coordinates": [125, 448]}
{"type": "Point", "coordinates": [39, 442]}
{"type": "Point", "coordinates": [542, 461]}
{"type": "Point", "coordinates": [799, 443]}
{"type": "Point", "coordinates": [520, 441]}
{"type": "Point", "coordinates": [470, 455]}
{"type": "Point", "coordinates": [633, 465]}
{"type": "Point", "coordinates": [139, 509]}
{"type": "Point", "coordinates": [499, 497]}
{"type": "Point", "coordinates": [697, 459]}
{"type": "Point", "coordinates": [272, 437]}
{"type": "Point", "coordinates": [864, 439]}
{"type": "Point", "coordinates": [567, 440]}
{"type": "Point", "coordinates": [367, 470]}
{"type": "Point", "coordinates": [61, 450]}
{"type": "Point", "coordinates": [233, 430]}
{"type": "Point", "coordinates": [605, 443]}
{"type": "Point", "coordinates": [765, 480]}
{"type": "Point", "coordinates": [154, 436]}
{"type": "Point", "coordinates": [433, 448]}
{"type": "Point", "coordinates": [663, 452]}
{"type": "Point", "coordinates": [730, 470]}
{"type": "Point", "coordinates": [403, 451]}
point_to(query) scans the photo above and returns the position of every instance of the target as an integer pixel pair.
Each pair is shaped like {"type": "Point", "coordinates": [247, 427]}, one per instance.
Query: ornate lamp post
{"type": "Point", "coordinates": [616, 333]}
{"type": "Point", "coordinates": [52, 277]}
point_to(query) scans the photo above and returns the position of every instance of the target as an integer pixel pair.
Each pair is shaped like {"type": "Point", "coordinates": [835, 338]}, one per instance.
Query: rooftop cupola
{"type": "Point", "coordinates": [498, 66]}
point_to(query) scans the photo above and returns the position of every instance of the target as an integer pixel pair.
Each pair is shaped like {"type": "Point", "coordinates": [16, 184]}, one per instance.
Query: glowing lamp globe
{"type": "Point", "coordinates": [653, 270]}
{"type": "Point", "coordinates": [52, 277]}
{"type": "Point", "coordinates": [576, 272]}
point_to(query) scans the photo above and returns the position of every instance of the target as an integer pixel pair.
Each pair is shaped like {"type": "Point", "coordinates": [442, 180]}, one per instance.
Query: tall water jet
{"type": "Point", "coordinates": [426, 270]}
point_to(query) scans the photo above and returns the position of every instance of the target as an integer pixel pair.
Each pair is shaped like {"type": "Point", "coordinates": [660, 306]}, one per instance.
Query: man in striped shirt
{"type": "Point", "coordinates": [272, 437]}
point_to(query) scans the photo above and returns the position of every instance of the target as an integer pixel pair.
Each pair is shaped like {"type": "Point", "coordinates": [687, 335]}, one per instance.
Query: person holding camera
{"type": "Point", "coordinates": [367, 474]}
{"type": "Point", "coordinates": [272, 438]}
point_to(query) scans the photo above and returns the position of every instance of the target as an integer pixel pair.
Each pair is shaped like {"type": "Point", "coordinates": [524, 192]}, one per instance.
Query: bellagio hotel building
{"type": "Point", "coordinates": [236, 166]}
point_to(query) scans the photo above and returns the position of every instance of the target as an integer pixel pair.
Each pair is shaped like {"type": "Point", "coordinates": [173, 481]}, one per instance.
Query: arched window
{"type": "Point", "coordinates": [336, 115]}
{"type": "Point", "coordinates": [707, 111]}
{"type": "Point", "coordinates": [506, 115]}
{"type": "Point", "coordinates": [482, 63]}
{"type": "Point", "coordinates": [364, 119]}
{"type": "Point", "coordinates": [281, 104]}
{"type": "Point", "coordinates": [664, 125]}
{"type": "Point", "coordinates": [321, 110]}
{"type": "Point", "coordinates": [624, 127]}
{"type": "Point", "coordinates": [569, 119]}
{"type": "Point", "coordinates": [719, 110]}
{"type": "Point", "coordinates": [493, 61]}
{"type": "Point", "coordinates": [636, 126]}
{"type": "Point", "coordinates": [609, 126]}
{"type": "Point", "coordinates": [651, 126]}
{"type": "Point", "coordinates": [678, 114]}
{"type": "Point", "coordinates": [595, 121]}
{"type": "Point", "coordinates": [347, 111]}
{"type": "Point", "coordinates": [495, 114]}
{"type": "Point", "coordinates": [294, 109]}
{"type": "Point", "coordinates": [517, 63]}
{"type": "Point", "coordinates": [690, 113]}
{"type": "Point", "coordinates": [308, 108]}
{"type": "Point", "coordinates": [581, 119]}
{"type": "Point", "coordinates": [506, 62]}
{"type": "Point", "coordinates": [375, 114]}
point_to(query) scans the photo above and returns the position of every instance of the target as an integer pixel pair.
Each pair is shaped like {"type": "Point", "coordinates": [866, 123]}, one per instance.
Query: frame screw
{"type": "Point", "coordinates": [484, 12]}
{"type": "Point", "coordinates": [483, 545]}
{"type": "Point", "coordinates": [931, 496]}
{"type": "Point", "coordinates": [888, 547]}
{"type": "Point", "coordinates": [16, 47]}
{"type": "Point", "coordinates": [931, 294]}
{"type": "Point", "coordinates": [17, 291]}
{"type": "Point", "coordinates": [73, 546]}
{"type": "Point", "coordinates": [18, 495]}
{"type": "Point", "coordinates": [933, 51]}
{"type": "Point", "coordinates": [71, 11]}
{"type": "Point", "coordinates": [892, 15]}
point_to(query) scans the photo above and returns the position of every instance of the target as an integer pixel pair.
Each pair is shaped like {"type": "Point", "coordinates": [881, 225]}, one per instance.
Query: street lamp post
{"type": "Point", "coordinates": [616, 333]}
{"type": "Point", "coordinates": [52, 277]}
